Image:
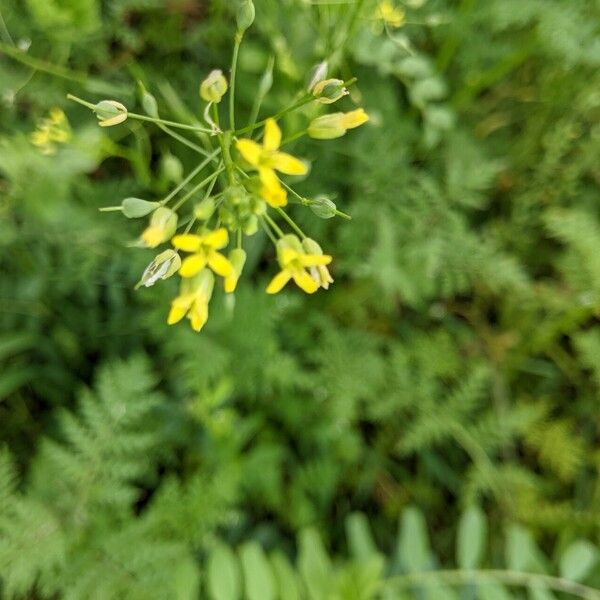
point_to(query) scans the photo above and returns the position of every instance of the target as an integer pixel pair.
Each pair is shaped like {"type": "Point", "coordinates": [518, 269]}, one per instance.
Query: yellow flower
{"type": "Point", "coordinates": [163, 224]}
{"type": "Point", "coordinates": [328, 127]}
{"type": "Point", "coordinates": [204, 248]}
{"type": "Point", "coordinates": [54, 128]}
{"type": "Point", "coordinates": [389, 14]}
{"type": "Point", "coordinates": [237, 257]}
{"type": "Point", "coordinates": [193, 300]}
{"type": "Point", "coordinates": [320, 273]}
{"type": "Point", "coordinates": [293, 262]}
{"type": "Point", "coordinates": [267, 159]}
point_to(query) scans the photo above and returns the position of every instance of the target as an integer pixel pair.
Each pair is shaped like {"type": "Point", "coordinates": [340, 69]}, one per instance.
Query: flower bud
{"type": "Point", "coordinates": [323, 207]}
{"type": "Point", "coordinates": [266, 80]}
{"type": "Point", "coordinates": [245, 15]}
{"type": "Point", "coordinates": [335, 125]}
{"type": "Point", "coordinates": [149, 103]}
{"type": "Point", "coordinates": [329, 91]}
{"type": "Point", "coordinates": [134, 208]}
{"type": "Point", "coordinates": [171, 167]}
{"type": "Point", "coordinates": [250, 226]}
{"type": "Point", "coordinates": [213, 88]}
{"type": "Point", "coordinates": [204, 210]}
{"type": "Point", "coordinates": [237, 257]}
{"type": "Point", "coordinates": [319, 273]}
{"type": "Point", "coordinates": [318, 73]}
{"type": "Point", "coordinates": [163, 224]}
{"type": "Point", "coordinates": [327, 127]}
{"type": "Point", "coordinates": [110, 112]}
{"type": "Point", "coordinates": [164, 265]}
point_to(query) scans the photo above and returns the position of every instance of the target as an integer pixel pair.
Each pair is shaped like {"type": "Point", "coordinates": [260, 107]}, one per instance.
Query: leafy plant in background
{"type": "Point", "coordinates": [452, 366]}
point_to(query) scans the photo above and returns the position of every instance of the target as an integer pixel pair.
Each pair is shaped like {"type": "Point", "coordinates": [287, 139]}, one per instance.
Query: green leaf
{"type": "Point", "coordinates": [472, 533]}
{"type": "Point", "coordinates": [287, 579]}
{"type": "Point", "coordinates": [258, 576]}
{"type": "Point", "coordinates": [413, 543]}
{"type": "Point", "coordinates": [578, 560]}
{"type": "Point", "coordinates": [359, 537]}
{"type": "Point", "coordinates": [314, 565]}
{"type": "Point", "coordinates": [223, 574]}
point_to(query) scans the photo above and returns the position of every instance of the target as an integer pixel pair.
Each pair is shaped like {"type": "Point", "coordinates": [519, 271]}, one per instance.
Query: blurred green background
{"type": "Point", "coordinates": [427, 428]}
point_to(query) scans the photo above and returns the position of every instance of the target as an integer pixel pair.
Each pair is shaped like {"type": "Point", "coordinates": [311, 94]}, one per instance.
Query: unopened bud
{"type": "Point", "coordinates": [171, 167]}
{"type": "Point", "coordinates": [245, 15]}
{"type": "Point", "coordinates": [237, 257]}
{"type": "Point", "coordinates": [164, 265]}
{"type": "Point", "coordinates": [323, 207]}
{"type": "Point", "coordinates": [335, 125]}
{"type": "Point", "coordinates": [134, 208]}
{"type": "Point", "coordinates": [163, 224]}
{"type": "Point", "coordinates": [329, 91]}
{"type": "Point", "coordinates": [205, 209]}
{"type": "Point", "coordinates": [110, 112]}
{"type": "Point", "coordinates": [148, 102]}
{"type": "Point", "coordinates": [214, 87]}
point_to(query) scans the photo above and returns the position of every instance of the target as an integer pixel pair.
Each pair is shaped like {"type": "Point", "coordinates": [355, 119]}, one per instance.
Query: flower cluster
{"type": "Point", "coordinates": [51, 130]}
{"type": "Point", "coordinates": [243, 189]}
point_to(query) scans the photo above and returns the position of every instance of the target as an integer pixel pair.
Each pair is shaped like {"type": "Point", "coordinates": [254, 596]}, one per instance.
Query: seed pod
{"type": "Point", "coordinates": [134, 208]}
{"type": "Point", "coordinates": [323, 207]}
{"type": "Point", "coordinates": [245, 15]}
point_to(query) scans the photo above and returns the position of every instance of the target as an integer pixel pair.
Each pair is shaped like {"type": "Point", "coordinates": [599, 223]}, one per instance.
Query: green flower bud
{"type": "Point", "coordinates": [205, 209]}
{"type": "Point", "coordinates": [327, 127]}
{"type": "Point", "coordinates": [214, 87]}
{"type": "Point", "coordinates": [250, 225]}
{"type": "Point", "coordinates": [245, 15]}
{"type": "Point", "coordinates": [134, 208]}
{"type": "Point", "coordinates": [323, 207]}
{"type": "Point", "coordinates": [110, 112]}
{"type": "Point", "coordinates": [171, 167]}
{"type": "Point", "coordinates": [237, 257]}
{"type": "Point", "coordinates": [164, 265]}
{"type": "Point", "coordinates": [149, 104]}
{"type": "Point", "coordinates": [329, 91]}
{"type": "Point", "coordinates": [163, 224]}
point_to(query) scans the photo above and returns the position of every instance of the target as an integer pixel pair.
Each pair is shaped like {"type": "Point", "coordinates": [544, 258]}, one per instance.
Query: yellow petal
{"type": "Point", "coordinates": [192, 265]}
{"type": "Point", "coordinates": [278, 282]}
{"type": "Point", "coordinates": [198, 314]}
{"type": "Point", "coordinates": [231, 283]}
{"type": "Point", "coordinates": [175, 315]}
{"type": "Point", "coordinates": [219, 264]}
{"type": "Point", "coordinates": [354, 118]}
{"type": "Point", "coordinates": [216, 239]}
{"type": "Point", "coordinates": [305, 282]}
{"type": "Point", "coordinates": [152, 236]}
{"type": "Point", "coordinates": [113, 120]}
{"type": "Point", "coordinates": [314, 260]}
{"type": "Point", "coordinates": [272, 137]}
{"type": "Point", "coordinates": [287, 255]}
{"type": "Point", "coordinates": [187, 241]}
{"type": "Point", "coordinates": [250, 151]}
{"type": "Point", "coordinates": [272, 190]}
{"type": "Point", "coordinates": [288, 164]}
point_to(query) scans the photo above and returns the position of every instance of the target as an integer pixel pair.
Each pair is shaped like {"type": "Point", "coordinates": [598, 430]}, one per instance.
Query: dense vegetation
{"type": "Point", "coordinates": [429, 426]}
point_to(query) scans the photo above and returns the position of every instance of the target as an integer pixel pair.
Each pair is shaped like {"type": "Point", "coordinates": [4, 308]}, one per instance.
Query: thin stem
{"type": "Point", "coordinates": [274, 225]}
{"type": "Point", "coordinates": [184, 141]}
{"type": "Point", "coordinates": [224, 143]}
{"type": "Point", "coordinates": [78, 77]}
{"type": "Point", "coordinates": [291, 138]}
{"type": "Point", "coordinates": [291, 222]}
{"type": "Point", "coordinates": [515, 578]}
{"type": "Point", "coordinates": [197, 187]}
{"type": "Point", "coordinates": [261, 92]}
{"type": "Point", "coordinates": [191, 176]}
{"type": "Point", "coordinates": [268, 231]}
{"type": "Point", "coordinates": [239, 237]}
{"type": "Point", "coordinates": [236, 49]}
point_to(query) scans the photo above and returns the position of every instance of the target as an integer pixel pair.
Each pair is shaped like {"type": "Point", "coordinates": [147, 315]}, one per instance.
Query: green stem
{"type": "Point", "coordinates": [184, 141]}
{"type": "Point", "coordinates": [486, 576]}
{"type": "Point", "coordinates": [197, 187]}
{"type": "Point", "coordinates": [224, 143]}
{"type": "Point", "coordinates": [291, 222]}
{"type": "Point", "coordinates": [274, 225]}
{"type": "Point", "coordinates": [308, 202]}
{"type": "Point", "coordinates": [191, 176]}
{"type": "Point", "coordinates": [268, 231]}
{"type": "Point", "coordinates": [261, 93]}
{"type": "Point", "coordinates": [236, 49]}
{"type": "Point", "coordinates": [293, 137]}
{"type": "Point", "coordinates": [78, 77]}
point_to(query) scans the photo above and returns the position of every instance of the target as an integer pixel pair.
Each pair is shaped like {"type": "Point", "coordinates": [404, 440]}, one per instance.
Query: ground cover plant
{"type": "Point", "coordinates": [424, 423]}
